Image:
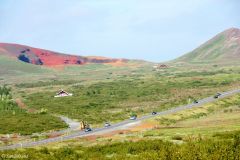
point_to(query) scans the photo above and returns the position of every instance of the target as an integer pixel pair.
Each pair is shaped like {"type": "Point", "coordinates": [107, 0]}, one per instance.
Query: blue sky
{"type": "Point", "coordinates": [154, 30]}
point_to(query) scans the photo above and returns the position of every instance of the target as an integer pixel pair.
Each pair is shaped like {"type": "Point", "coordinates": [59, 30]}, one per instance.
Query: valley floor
{"type": "Point", "coordinates": [205, 131]}
{"type": "Point", "coordinates": [213, 135]}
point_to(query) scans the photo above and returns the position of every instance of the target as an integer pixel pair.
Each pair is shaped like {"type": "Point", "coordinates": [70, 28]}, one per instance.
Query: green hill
{"type": "Point", "coordinates": [11, 67]}
{"type": "Point", "coordinates": [223, 48]}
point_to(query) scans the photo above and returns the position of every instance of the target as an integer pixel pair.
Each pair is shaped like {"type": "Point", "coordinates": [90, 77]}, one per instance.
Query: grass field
{"type": "Point", "coordinates": [218, 121]}
{"type": "Point", "coordinates": [28, 123]}
{"type": "Point", "coordinates": [208, 121]}
{"type": "Point", "coordinates": [114, 93]}
{"type": "Point", "coordinates": [9, 66]}
{"type": "Point", "coordinates": [105, 93]}
{"type": "Point", "coordinates": [145, 149]}
{"type": "Point", "coordinates": [16, 120]}
{"type": "Point", "coordinates": [117, 100]}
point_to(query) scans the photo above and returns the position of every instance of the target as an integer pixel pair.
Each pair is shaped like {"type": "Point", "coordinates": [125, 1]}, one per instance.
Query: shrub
{"type": "Point", "coordinates": [177, 137]}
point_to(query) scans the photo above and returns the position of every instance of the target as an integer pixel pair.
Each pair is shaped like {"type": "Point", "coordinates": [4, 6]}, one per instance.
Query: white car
{"type": "Point", "coordinates": [107, 124]}
{"type": "Point", "coordinates": [88, 130]}
{"type": "Point", "coordinates": [133, 117]}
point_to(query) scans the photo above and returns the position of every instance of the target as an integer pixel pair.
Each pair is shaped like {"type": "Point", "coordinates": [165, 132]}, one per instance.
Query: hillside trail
{"type": "Point", "coordinates": [24, 106]}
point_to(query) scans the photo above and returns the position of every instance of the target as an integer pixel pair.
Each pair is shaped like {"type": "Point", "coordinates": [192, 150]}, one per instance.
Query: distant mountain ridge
{"type": "Point", "coordinates": [223, 48]}
{"type": "Point", "coordinates": [50, 58]}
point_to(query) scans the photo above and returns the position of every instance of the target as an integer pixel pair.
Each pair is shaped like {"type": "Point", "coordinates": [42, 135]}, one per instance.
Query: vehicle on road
{"type": "Point", "coordinates": [88, 130]}
{"type": "Point", "coordinates": [107, 124]}
{"type": "Point", "coordinates": [80, 134]}
{"type": "Point", "coordinates": [133, 117]}
{"type": "Point", "coordinates": [195, 101]}
{"type": "Point", "coordinates": [154, 113]}
{"type": "Point", "coordinates": [217, 95]}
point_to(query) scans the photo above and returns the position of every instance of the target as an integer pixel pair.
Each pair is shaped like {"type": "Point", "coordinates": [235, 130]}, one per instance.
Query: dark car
{"type": "Point", "coordinates": [88, 130]}
{"type": "Point", "coordinates": [195, 101]}
{"type": "Point", "coordinates": [154, 113]}
{"type": "Point", "coordinates": [217, 95]}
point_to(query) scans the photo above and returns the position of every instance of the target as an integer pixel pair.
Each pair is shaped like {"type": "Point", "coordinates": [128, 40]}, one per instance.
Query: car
{"type": "Point", "coordinates": [133, 117]}
{"type": "Point", "coordinates": [217, 95]}
{"type": "Point", "coordinates": [107, 124]}
{"type": "Point", "coordinates": [154, 113]}
{"type": "Point", "coordinates": [88, 130]}
{"type": "Point", "coordinates": [195, 101]}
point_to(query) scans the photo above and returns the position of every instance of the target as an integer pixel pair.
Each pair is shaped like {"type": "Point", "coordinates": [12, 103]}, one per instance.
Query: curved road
{"type": "Point", "coordinates": [118, 125]}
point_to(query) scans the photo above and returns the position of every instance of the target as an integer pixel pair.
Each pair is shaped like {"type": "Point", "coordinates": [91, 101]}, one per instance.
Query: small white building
{"type": "Point", "coordinates": [63, 93]}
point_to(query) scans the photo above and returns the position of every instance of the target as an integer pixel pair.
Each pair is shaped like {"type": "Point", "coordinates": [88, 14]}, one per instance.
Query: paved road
{"type": "Point", "coordinates": [118, 125]}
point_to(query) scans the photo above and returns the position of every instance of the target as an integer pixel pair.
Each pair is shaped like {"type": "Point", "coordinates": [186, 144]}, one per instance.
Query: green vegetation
{"type": "Point", "coordinates": [112, 93]}
{"type": "Point", "coordinates": [150, 149]}
{"type": "Point", "coordinates": [116, 100]}
{"type": "Point", "coordinates": [46, 83]}
{"type": "Point", "coordinates": [209, 121]}
{"type": "Point", "coordinates": [191, 138]}
{"type": "Point", "coordinates": [104, 93]}
{"type": "Point", "coordinates": [214, 50]}
{"type": "Point", "coordinates": [203, 52]}
{"type": "Point", "coordinates": [11, 67]}
{"type": "Point", "coordinates": [16, 120]}
{"type": "Point", "coordinates": [6, 102]}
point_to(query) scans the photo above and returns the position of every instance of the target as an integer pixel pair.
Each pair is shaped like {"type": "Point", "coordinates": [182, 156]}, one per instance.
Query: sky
{"type": "Point", "coordinates": [153, 30]}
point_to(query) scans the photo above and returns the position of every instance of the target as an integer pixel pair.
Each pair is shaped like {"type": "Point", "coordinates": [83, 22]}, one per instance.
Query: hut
{"type": "Point", "coordinates": [160, 66]}
{"type": "Point", "coordinates": [63, 93]}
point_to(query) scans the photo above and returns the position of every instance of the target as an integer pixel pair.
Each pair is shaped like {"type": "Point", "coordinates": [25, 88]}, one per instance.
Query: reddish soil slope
{"type": "Point", "coordinates": [49, 58]}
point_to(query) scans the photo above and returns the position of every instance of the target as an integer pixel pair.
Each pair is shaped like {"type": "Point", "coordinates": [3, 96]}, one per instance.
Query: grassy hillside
{"type": "Point", "coordinates": [223, 48]}
{"type": "Point", "coordinates": [10, 66]}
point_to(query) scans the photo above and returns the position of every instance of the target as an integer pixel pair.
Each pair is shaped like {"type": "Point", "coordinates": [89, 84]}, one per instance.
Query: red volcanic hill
{"type": "Point", "coordinates": [50, 58]}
